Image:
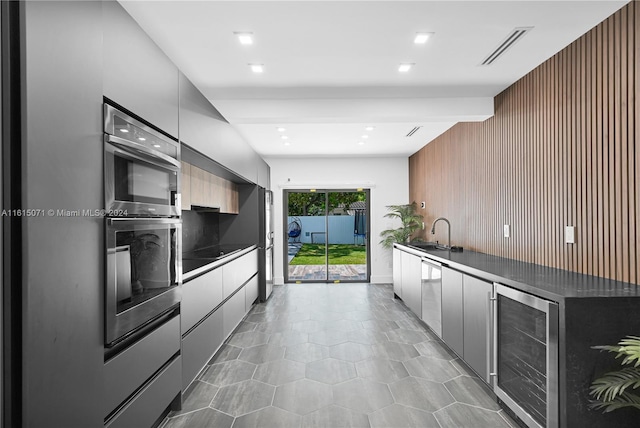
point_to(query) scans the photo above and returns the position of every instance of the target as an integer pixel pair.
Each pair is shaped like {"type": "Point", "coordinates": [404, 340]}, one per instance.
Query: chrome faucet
{"type": "Point", "coordinates": [433, 230]}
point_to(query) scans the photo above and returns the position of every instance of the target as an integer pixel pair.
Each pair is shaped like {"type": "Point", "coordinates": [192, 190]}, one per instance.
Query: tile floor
{"type": "Point", "coordinates": [335, 355]}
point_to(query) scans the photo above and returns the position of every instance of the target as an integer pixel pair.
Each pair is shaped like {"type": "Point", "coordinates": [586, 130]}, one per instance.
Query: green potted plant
{"type": "Point", "coordinates": [618, 389]}
{"type": "Point", "coordinates": [411, 221]}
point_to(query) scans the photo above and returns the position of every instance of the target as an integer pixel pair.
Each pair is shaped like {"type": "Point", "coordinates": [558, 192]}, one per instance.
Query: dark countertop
{"type": "Point", "coordinates": [549, 283]}
{"type": "Point", "coordinates": [198, 262]}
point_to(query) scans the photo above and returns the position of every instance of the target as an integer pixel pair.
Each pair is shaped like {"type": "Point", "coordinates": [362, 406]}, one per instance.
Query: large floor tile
{"type": "Point", "coordinates": [200, 418]}
{"type": "Point", "coordinates": [306, 352]}
{"type": "Point", "coordinates": [465, 416]}
{"type": "Point", "coordinates": [472, 391]}
{"type": "Point", "coordinates": [379, 325]}
{"type": "Point", "coordinates": [381, 370]}
{"type": "Point", "coordinates": [435, 349]}
{"type": "Point", "coordinates": [308, 326]}
{"type": "Point", "coordinates": [335, 417]}
{"type": "Point", "coordinates": [328, 337]}
{"type": "Point", "coordinates": [280, 372]}
{"type": "Point", "coordinates": [394, 351]}
{"type": "Point", "coordinates": [431, 368]}
{"type": "Point", "coordinates": [267, 417]}
{"type": "Point", "coordinates": [227, 373]}
{"type": "Point", "coordinates": [261, 354]}
{"type": "Point", "coordinates": [367, 337]}
{"type": "Point", "coordinates": [275, 326]}
{"type": "Point", "coordinates": [198, 396]}
{"type": "Point", "coordinates": [403, 335]}
{"type": "Point", "coordinates": [350, 351]}
{"type": "Point", "coordinates": [303, 396]}
{"type": "Point", "coordinates": [399, 416]}
{"type": "Point", "coordinates": [362, 395]}
{"type": "Point", "coordinates": [288, 338]}
{"type": "Point", "coordinates": [244, 397]}
{"type": "Point", "coordinates": [330, 371]}
{"type": "Point", "coordinates": [248, 339]}
{"type": "Point", "coordinates": [225, 353]}
{"type": "Point", "coordinates": [421, 394]}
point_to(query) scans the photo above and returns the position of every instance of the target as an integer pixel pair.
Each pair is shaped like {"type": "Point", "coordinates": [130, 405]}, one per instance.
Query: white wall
{"type": "Point", "coordinates": [388, 179]}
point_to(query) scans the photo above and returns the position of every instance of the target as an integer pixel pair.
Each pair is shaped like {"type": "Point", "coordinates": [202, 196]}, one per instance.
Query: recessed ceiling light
{"type": "Point", "coordinates": [421, 38]}
{"type": "Point", "coordinates": [157, 146]}
{"type": "Point", "coordinates": [284, 137]}
{"type": "Point", "coordinates": [369, 128]}
{"type": "Point", "coordinates": [281, 129]}
{"type": "Point", "coordinates": [245, 38]}
{"type": "Point", "coordinates": [257, 68]}
{"type": "Point", "coordinates": [365, 137]}
{"type": "Point", "coordinates": [124, 130]}
{"type": "Point", "coordinates": [405, 67]}
{"type": "Point", "coordinates": [361, 143]}
{"type": "Point", "coordinates": [286, 143]}
{"type": "Point", "coordinates": [142, 139]}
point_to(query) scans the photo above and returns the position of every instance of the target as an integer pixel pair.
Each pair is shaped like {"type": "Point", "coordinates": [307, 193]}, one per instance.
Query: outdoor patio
{"type": "Point", "coordinates": [344, 272]}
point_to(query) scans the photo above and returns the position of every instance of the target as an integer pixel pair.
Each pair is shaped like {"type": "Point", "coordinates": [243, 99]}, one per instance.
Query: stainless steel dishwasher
{"type": "Point", "coordinates": [432, 295]}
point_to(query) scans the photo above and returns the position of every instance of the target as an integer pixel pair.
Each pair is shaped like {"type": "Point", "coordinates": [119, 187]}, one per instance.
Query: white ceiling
{"type": "Point", "coordinates": [331, 67]}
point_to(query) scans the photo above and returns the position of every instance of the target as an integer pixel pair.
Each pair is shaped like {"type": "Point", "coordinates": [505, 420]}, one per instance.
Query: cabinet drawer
{"type": "Point", "coordinates": [251, 291]}
{"type": "Point", "coordinates": [199, 345]}
{"type": "Point", "coordinates": [238, 271]}
{"type": "Point", "coordinates": [233, 311]}
{"type": "Point", "coordinates": [147, 406]}
{"type": "Point", "coordinates": [199, 297]}
{"type": "Point", "coordinates": [128, 370]}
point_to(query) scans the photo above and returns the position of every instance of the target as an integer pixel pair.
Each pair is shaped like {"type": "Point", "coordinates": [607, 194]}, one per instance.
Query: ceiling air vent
{"type": "Point", "coordinates": [413, 131]}
{"type": "Point", "coordinates": [509, 41]}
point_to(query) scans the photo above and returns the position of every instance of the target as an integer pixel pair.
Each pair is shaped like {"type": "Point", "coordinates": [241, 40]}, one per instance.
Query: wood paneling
{"type": "Point", "coordinates": [560, 150]}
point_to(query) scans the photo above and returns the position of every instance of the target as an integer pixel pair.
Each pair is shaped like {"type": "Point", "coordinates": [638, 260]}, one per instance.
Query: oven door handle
{"type": "Point", "coordinates": [159, 158]}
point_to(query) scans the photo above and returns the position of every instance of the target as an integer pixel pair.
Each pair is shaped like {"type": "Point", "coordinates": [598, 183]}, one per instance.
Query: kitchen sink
{"type": "Point", "coordinates": [428, 246]}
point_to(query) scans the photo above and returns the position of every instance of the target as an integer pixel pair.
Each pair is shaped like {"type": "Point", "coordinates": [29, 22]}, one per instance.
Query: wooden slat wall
{"type": "Point", "coordinates": [561, 150]}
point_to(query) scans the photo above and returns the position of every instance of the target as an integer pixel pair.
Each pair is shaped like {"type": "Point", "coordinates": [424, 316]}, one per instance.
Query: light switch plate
{"type": "Point", "coordinates": [507, 231]}
{"type": "Point", "coordinates": [570, 234]}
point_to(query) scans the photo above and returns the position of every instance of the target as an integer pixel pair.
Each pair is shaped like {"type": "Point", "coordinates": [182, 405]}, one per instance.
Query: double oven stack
{"type": "Point", "coordinates": [143, 230]}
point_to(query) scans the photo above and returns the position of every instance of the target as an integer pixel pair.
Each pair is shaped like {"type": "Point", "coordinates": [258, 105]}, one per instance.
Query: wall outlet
{"type": "Point", "coordinates": [507, 231]}
{"type": "Point", "coordinates": [570, 234]}
{"type": "Point", "coordinates": [423, 225]}
{"type": "Point", "coordinates": [423, 205]}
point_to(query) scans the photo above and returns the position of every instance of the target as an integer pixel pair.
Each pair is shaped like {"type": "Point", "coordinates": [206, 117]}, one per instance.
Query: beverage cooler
{"type": "Point", "coordinates": [526, 356]}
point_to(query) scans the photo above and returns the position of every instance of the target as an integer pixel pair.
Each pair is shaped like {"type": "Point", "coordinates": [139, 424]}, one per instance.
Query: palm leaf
{"type": "Point", "coordinates": [613, 384]}
{"type": "Point", "coordinates": [629, 348]}
{"type": "Point", "coordinates": [625, 399]}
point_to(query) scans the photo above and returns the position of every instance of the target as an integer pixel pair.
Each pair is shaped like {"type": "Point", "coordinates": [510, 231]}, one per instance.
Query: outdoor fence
{"type": "Point", "coordinates": [341, 229]}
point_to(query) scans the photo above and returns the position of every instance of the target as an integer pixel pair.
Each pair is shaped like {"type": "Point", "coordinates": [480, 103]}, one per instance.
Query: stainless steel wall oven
{"type": "Point", "coordinates": [143, 230]}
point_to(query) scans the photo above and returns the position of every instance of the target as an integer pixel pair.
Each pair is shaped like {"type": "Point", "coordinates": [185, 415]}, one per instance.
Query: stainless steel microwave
{"type": "Point", "coordinates": [141, 168]}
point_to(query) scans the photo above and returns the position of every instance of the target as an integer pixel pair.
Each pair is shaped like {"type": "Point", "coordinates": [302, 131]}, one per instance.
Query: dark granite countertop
{"type": "Point", "coordinates": [546, 282]}
{"type": "Point", "coordinates": [198, 262]}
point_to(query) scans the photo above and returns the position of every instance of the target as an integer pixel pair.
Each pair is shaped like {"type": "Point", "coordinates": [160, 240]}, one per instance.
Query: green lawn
{"type": "Point", "coordinates": [339, 254]}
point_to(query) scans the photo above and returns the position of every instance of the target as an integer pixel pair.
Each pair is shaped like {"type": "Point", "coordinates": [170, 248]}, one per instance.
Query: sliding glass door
{"type": "Point", "coordinates": [327, 235]}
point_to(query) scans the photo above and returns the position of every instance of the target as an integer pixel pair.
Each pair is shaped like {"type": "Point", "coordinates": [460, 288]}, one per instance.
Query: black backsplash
{"type": "Point", "coordinates": [199, 230]}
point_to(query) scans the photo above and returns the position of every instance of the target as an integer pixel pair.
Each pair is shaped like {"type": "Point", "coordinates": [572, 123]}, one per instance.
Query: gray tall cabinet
{"type": "Point", "coordinates": [72, 55]}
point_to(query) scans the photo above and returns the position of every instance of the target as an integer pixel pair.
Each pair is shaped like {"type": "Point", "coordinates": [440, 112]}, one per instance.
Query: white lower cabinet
{"type": "Point", "coordinates": [452, 310]}
{"type": "Point", "coordinates": [233, 311]}
{"type": "Point", "coordinates": [397, 272]}
{"type": "Point", "coordinates": [412, 282]}
{"type": "Point", "coordinates": [251, 290]}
